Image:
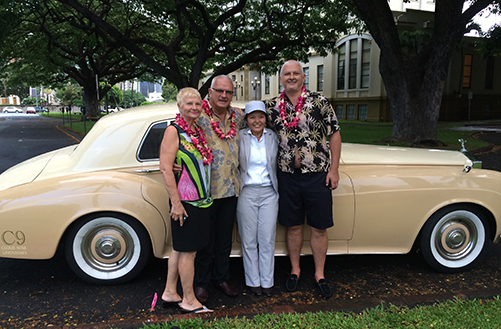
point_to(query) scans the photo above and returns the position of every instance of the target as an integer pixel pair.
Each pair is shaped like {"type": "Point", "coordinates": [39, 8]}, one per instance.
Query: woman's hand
{"type": "Point", "coordinates": [178, 213]}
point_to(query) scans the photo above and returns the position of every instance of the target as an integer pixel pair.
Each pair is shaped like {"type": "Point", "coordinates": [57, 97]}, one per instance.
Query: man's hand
{"type": "Point", "coordinates": [332, 179]}
{"type": "Point", "coordinates": [176, 168]}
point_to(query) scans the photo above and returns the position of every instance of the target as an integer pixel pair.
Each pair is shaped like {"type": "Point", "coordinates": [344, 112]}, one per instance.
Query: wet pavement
{"type": "Point", "coordinates": [46, 293]}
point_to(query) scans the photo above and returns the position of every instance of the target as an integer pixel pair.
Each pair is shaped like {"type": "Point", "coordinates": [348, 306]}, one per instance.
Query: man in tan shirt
{"type": "Point", "coordinates": [220, 122]}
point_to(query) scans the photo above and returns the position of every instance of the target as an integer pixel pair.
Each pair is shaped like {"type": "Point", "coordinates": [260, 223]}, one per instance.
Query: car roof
{"type": "Point", "coordinates": [115, 138]}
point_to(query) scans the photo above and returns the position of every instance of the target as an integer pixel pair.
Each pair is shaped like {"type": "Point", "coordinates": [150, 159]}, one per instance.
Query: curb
{"type": "Point", "coordinates": [70, 132]}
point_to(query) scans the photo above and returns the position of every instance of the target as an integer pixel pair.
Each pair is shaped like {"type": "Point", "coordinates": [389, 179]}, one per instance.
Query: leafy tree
{"type": "Point", "coordinates": [67, 94]}
{"type": "Point", "coordinates": [67, 49]}
{"type": "Point", "coordinates": [133, 98]}
{"type": "Point", "coordinates": [182, 39]}
{"type": "Point", "coordinates": [490, 43]}
{"type": "Point", "coordinates": [169, 91]}
{"type": "Point", "coordinates": [415, 80]}
{"type": "Point", "coordinates": [29, 100]}
{"type": "Point", "coordinates": [9, 85]}
{"type": "Point", "coordinates": [115, 97]}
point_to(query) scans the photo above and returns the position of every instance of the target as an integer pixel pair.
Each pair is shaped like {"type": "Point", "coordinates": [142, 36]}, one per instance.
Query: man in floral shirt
{"type": "Point", "coordinates": [308, 163]}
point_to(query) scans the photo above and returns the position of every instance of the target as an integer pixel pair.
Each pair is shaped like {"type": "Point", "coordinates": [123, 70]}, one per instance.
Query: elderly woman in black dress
{"type": "Point", "coordinates": [184, 143]}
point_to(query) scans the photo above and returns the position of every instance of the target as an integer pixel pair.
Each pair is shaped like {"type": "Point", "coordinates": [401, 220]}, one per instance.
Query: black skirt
{"type": "Point", "coordinates": [194, 234]}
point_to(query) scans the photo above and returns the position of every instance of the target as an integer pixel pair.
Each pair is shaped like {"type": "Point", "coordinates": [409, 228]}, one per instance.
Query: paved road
{"type": "Point", "coordinates": [46, 293]}
{"type": "Point", "coordinates": [23, 136]}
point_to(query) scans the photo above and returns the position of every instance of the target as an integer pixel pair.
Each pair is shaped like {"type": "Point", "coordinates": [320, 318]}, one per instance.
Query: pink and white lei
{"type": "Point", "coordinates": [215, 125]}
{"type": "Point", "coordinates": [197, 139]}
{"type": "Point", "coordinates": [299, 106]}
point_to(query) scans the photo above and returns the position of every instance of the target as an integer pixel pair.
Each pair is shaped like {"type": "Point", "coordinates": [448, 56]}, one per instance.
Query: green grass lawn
{"type": "Point", "coordinates": [369, 133]}
{"type": "Point", "coordinates": [457, 313]}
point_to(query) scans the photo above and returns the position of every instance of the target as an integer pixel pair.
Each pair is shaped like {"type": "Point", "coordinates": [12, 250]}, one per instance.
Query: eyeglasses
{"type": "Point", "coordinates": [220, 91]}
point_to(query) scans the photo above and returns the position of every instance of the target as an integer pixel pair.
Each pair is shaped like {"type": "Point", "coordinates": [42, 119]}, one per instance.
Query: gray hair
{"type": "Point", "coordinates": [223, 76]}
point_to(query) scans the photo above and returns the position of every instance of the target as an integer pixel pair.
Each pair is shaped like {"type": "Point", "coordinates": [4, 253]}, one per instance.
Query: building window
{"type": "Point", "coordinates": [341, 69]}
{"type": "Point", "coordinates": [320, 78]}
{"type": "Point", "coordinates": [267, 84]}
{"type": "Point", "coordinates": [339, 112]}
{"type": "Point", "coordinates": [467, 71]}
{"type": "Point", "coordinates": [353, 63]}
{"type": "Point", "coordinates": [234, 79]}
{"type": "Point", "coordinates": [486, 112]}
{"type": "Point", "coordinates": [306, 71]}
{"type": "Point", "coordinates": [362, 112]}
{"type": "Point", "coordinates": [489, 72]}
{"type": "Point", "coordinates": [352, 69]}
{"type": "Point", "coordinates": [350, 112]}
{"type": "Point", "coordinates": [366, 63]}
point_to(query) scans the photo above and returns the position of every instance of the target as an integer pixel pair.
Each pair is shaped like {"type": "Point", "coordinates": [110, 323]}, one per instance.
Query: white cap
{"type": "Point", "coordinates": [254, 106]}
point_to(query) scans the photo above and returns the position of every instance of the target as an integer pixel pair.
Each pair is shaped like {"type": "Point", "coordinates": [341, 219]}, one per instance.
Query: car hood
{"type": "Point", "coordinates": [29, 170]}
{"type": "Point", "coordinates": [391, 155]}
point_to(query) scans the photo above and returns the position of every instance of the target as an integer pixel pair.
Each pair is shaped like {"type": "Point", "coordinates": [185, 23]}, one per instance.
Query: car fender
{"type": "Point", "coordinates": [56, 203]}
{"type": "Point", "coordinates": [396, 202]}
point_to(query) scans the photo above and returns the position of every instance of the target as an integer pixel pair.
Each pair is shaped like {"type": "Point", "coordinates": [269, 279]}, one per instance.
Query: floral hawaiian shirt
{"type": "Point", "coordinates": [224, 169]}
{"type": "Point", "coordinates": [316, 121]}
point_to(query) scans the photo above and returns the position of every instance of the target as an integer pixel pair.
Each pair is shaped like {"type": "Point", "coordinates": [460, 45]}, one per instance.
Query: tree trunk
{"type": "Point", "coordinates": [415, 95]}
{"type": "Point", "coordinates": [91, 102]}
{"type": "Point", "coordinates": [415, 82]}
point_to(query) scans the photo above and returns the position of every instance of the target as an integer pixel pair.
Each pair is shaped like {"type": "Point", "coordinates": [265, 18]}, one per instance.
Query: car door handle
{"type": "Point", "coordinates": [147, 170]}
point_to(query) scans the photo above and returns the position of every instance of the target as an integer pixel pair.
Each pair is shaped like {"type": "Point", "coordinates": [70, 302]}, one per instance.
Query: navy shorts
{"type": "Point", "coordinates": [304, 194]}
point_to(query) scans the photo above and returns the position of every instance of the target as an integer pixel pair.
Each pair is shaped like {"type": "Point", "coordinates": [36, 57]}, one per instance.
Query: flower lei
{"type": "Point", "coordinates": [299, 106]}
{"type": "Point", "coordinates": [215, 125]}
{"type": "Point", "coordinates": [199, 142]}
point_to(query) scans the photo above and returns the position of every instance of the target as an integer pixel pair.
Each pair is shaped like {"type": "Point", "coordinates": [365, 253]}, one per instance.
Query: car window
{"type": "Point", "coordinates": [149, 150]}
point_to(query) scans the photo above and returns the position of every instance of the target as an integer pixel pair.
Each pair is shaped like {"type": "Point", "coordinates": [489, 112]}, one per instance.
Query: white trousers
{"type": "Point", "coordinates": [257, 211]}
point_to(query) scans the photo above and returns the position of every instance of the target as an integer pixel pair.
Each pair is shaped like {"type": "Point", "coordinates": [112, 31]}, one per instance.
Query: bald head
{"type": "Point", "coordinates": [290, 62]}
{"type": "Point", "coordinates": [292, 77]}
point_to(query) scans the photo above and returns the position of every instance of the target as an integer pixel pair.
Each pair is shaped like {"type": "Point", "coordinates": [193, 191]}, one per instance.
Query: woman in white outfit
{"type": "Point", "coordinates": [257, 207]}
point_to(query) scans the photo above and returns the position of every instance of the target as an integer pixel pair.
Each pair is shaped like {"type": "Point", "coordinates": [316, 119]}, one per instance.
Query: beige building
{"type": "Point", "coordinates": [350, 78]}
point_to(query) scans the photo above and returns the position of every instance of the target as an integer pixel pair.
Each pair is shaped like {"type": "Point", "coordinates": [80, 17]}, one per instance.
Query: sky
{"type": "Point", "coordinates": [485, 20]}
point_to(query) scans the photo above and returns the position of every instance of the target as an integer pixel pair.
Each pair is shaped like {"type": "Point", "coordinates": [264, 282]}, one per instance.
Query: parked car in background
{"type": "Point", "coordinates": [41, 109]}
{"type": "Point", "coordinates": [12, 109]}
{"type": "Point", "coordinates": [105, 201]}
{"type": "Point", "coordinates": [31, 110]}
{"type": "Point", "coordinates": [115, 109]}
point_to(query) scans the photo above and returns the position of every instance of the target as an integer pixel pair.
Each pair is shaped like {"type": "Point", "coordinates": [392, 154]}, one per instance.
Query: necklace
{"type": "Point", "coordinates": [197, 139]}
{"type": "Point", "coordinates": [215, 125]}
{"type": "Point", "coordinates": [297, 111]}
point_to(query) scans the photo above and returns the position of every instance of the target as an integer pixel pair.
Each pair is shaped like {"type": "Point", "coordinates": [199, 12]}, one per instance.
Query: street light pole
{"type": "Point", "coordinates": [254, 84]}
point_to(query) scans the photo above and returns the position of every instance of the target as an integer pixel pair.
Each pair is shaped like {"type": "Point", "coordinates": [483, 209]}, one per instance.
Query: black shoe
{"type": "Point", "coordinates": [256, 290]}
{"type": "Point", "coordinates": [291, 283]}
{"type": "Point", "coordinates": [228, 289]}
{"type": "Point", "coordinates": [202, 294]}
{"type": "Point", "coordinates": [324, 288]}
{"type": "Point", "coordinates": [268, 291]}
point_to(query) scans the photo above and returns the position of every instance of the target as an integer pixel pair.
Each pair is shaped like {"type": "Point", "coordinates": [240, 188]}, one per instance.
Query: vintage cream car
{"type": "Point", "coordinates": [105, 201]}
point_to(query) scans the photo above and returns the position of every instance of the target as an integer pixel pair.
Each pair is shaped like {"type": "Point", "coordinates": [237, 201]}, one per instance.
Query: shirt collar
{"type": "Point", "coordinates": [250, 132]}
